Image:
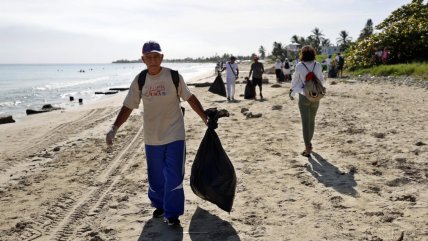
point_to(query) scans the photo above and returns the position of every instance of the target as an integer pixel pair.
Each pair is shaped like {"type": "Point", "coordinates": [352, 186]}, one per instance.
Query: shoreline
{"type": "Point", "coordinates": [68, 105]}
{"type": "Point", "coordinates": [366, 179]}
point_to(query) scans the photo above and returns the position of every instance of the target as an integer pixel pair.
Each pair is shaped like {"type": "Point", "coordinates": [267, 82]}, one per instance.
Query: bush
{"type": "Point", "coordinates": [404, 33]}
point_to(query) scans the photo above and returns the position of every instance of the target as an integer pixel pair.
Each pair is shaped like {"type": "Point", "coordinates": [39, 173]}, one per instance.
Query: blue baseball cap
{"type": "Point", "coordinates": [151, 47]}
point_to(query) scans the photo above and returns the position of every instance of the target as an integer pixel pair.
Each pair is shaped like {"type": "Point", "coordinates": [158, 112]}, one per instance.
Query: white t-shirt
{"type": "Point", "coordinates": [299, 76]}
{"type": "Point", "coordinates": [163, 119]}
{"type": "Point", "coordinates": [328, 61]}
{"type": "Point", "coordinates": [231, 70]}
{"type": "Point", "coordinates": [278, 65]}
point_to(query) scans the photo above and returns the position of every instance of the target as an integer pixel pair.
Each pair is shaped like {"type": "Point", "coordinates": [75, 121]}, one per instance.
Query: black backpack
{"type": "Point", "coordinates": [286, 65]}
{"type": "Point", "coordinates": [175, 79]}
{"type": "Point", "coordinates": [341, 61]}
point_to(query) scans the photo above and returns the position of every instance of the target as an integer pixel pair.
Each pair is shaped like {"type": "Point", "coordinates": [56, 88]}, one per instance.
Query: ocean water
{"type": "Point", "coordinates": [30, 86]}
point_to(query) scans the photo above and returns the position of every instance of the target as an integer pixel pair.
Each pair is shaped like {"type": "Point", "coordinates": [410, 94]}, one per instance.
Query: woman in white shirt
{"type": "Point", "coordinates": [308, 109]}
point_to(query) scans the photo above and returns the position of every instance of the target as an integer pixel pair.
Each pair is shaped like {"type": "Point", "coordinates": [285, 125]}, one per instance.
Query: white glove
{"type": "Point", "coordinates": [111, 134]}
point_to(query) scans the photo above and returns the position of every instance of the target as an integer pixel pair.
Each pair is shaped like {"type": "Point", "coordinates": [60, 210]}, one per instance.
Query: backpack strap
{"type": "Point", "coordinates": [305, 66]}
{"type": "Point", "coordinates": [174, 75]}
{"type": "Point", "coordinates": [142, 79]}
{"type": "Point", "coordinates": [175, 79]}
{"type": "Point", "coordinates": [233, 71]}
{"type": "Point", "coordinates": [315, 64]}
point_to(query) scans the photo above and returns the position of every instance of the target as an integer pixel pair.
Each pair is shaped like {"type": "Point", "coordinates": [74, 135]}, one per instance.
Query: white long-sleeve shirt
{"type": "Point", "coordinates": [299, 76]}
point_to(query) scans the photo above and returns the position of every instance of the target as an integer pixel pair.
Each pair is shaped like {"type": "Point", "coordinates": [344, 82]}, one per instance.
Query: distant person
{"type": "Point", "coordinates": [278, 70]}
{"type": "Point", "coordinates": [328, 62]}
{"type": "Point", "coordinates": [308, 109]}
{"type": "Point", "coordinates": [164, 133]}
{"type": "Point", "coordinates": [340, 62]}
{"type": "Point", "coordinates": [219, 67]}
{"type": "Point", "coordinates": [287, 69]}
{"type": "Point", "coordinates": [331, 67]}
{"type": "Point", "coordinates": [257, 69]}
{"type": "Point", "coordinates": [232, 74]}
{"type": "Point", "coordinates": [378, 56]}
{"type": "Point", "coordinates": [385, 56]}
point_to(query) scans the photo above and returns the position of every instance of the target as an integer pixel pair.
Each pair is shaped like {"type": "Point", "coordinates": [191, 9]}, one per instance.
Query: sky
{"type": "Point", "coordinates": [102, 31]}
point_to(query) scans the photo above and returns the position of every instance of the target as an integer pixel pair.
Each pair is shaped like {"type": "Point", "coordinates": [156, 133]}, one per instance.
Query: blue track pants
{"type": "Point", "coordinates": [165, 167]}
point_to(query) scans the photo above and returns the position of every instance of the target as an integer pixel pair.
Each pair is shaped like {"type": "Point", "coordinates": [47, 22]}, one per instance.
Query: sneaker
{"type": "Point", "coordinates": [158, 213]}
{"type": "Point", "coordinates": [228, 99]}
{"type": "Point", "coordinates": [174, 221]}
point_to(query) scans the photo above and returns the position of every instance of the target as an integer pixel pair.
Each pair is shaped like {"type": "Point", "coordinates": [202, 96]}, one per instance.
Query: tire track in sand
{"type": "Point", "coordinates": [56, 135]}
{"type": "Point", "coordinates": [88, 205]}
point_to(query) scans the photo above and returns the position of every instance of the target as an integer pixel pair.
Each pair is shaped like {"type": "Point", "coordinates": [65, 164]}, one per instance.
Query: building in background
{"type": "Point", "coordinates": [330, 50]}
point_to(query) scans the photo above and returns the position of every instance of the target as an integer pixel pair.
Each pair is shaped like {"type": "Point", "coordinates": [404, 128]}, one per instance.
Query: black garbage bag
{"type": "Point", "coordinates": [217, 86]}
{"type": "Point", "coordinates": [332, 73]}
{"type": "Point", "coordinates": [213, 176]}
{"type": "Point", "coordinates": [281, 77]}
{"type": "Point", "coordinates": [250, 91]}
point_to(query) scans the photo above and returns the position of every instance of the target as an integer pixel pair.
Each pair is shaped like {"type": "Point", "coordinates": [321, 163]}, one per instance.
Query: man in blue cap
{"type": "Point", "coordinates": [164, 133]}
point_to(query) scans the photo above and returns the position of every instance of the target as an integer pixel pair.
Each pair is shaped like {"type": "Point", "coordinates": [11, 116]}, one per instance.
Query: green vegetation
{"type": "Point", "coordinates": [418, 70]}
{"type": "Point", "coordinates": [125, 61]}
{"type": "Point", "coordinates": [320, 57]}
{"type": "Point", "coordinates": [404, 33]}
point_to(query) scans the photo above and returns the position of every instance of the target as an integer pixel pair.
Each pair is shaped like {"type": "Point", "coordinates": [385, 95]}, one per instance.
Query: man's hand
{"type": "Point", "coordinates": [205, 120]}
{"type": "Point", "coordinates": [110, 135]}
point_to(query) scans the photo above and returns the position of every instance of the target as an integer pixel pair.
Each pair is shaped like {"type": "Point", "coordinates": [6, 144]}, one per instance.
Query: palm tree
{"type": "Point", "coordinates": [326, 42]}
{"type": "Point", "coordinates": [310, 40]}
{"type": "Point", "coordinates": [344, 40]}
{"type": "Point", "coordinates": [317, 37]}
{"type": "Point", "coordinates": [279, 51]}
{"type": "Point", "coordinates": [295, 39]}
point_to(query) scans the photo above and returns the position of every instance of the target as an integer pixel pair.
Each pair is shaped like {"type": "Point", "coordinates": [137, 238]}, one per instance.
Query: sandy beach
{"type": "Point", "coordinates": [366, 180]}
